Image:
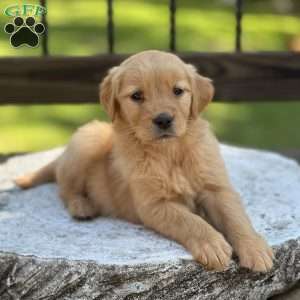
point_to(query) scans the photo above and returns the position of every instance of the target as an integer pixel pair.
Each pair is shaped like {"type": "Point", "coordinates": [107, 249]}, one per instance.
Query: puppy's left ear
{"type": "Point", "coordinates": [202, 91]}
{"type": "Point", "coordinates": [108, 92]}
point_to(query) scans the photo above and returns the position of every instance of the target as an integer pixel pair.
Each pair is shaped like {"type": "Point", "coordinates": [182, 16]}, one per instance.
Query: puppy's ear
{"type": "Point", "coordinates": [202, 91]}
{"type": "Point", "coordinates": [108, 92]}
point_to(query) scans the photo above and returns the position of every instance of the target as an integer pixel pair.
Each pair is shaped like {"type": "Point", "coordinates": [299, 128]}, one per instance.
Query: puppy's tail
{"type": "Point", "coordinates": [45, 174]}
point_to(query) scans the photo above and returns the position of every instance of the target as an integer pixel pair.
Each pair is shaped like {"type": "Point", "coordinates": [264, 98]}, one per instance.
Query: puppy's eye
{"type": "Point", "coordinates": [137, 96]}
{"type": "Point", "coordinates": [177, 91]}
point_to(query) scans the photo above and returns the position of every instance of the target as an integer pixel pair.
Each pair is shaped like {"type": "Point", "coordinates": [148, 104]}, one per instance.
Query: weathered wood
{"type": "Point", "coordinates": [237, 77]}
{"type": "Point", "coordinates": [32, 278]}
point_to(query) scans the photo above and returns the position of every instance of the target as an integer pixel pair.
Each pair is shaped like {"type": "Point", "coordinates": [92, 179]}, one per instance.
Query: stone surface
{"type": "Point", "coordinates": [44, 254]}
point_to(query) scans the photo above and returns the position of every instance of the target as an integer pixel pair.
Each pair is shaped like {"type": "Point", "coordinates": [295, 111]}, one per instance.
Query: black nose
{"type": "Point", "coordinates": [163, 120]}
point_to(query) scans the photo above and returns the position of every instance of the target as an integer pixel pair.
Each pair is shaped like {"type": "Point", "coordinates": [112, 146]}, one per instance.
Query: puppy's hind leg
{"type": "Point", "coordinates": [78, 204]}
{"type": "Point", "coordinates": [87, 147]}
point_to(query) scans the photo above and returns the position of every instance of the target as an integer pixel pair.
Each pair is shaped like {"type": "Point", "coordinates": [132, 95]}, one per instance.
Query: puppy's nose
{"type": "Point", "coordinates": [163, 120]}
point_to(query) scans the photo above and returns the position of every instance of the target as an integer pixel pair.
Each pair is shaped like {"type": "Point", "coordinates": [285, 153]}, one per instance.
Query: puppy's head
{"type": "Point", "coordinates": [155, 94]}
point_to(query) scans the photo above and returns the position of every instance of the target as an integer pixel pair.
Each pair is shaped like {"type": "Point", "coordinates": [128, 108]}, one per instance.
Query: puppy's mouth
{"type": "Point", "coordinates": [166, 136]}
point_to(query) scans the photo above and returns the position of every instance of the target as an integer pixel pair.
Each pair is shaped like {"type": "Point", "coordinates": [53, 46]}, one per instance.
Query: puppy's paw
{"type": "Point", "coordinates": [255, 254]}
{"type": "Point", "coordinates": [213, 253]}
{"type": "Point", "coordinates": [80, 209]}
{"type": "Point", "coordinates": [24, 182]}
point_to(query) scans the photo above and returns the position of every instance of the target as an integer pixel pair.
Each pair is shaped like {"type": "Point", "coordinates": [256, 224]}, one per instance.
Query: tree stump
{"type": "Point", "coordinates": [45, 254]}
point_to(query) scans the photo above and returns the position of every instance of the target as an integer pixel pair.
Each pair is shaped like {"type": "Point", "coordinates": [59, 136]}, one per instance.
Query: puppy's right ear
{"type": "Point", "coordinates": [108, 92]}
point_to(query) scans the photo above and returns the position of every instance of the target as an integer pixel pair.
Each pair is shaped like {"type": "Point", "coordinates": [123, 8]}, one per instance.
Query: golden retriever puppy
{"type": "Point", "coordinates": [157, 164]}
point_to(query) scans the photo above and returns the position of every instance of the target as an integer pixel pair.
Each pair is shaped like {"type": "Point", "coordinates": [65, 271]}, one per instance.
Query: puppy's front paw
{"type": "Point", "coordinates": [255, 254]}
{"type": "Point", "coordinates": [214, 253]}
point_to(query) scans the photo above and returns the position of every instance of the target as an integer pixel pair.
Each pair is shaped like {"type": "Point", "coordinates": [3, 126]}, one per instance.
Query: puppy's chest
{"type": "Point", "coordinates": [172, 178]}
{"type": "Point", "coordinates": [178, 182]}
{"type": "Point", "coordinates": [182, 179]}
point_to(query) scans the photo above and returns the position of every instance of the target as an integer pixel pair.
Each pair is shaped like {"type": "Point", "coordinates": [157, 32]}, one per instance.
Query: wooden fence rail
{"type": "Point", "coordinates": [237, 77]}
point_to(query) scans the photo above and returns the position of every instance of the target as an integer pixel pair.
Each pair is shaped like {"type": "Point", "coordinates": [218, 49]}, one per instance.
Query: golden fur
{"type": "Point", "coordinates": [175, 184]}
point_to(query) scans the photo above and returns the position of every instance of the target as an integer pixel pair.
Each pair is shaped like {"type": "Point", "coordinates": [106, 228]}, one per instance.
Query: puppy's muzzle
{"type": "Point", "coordinates": [163, 121]}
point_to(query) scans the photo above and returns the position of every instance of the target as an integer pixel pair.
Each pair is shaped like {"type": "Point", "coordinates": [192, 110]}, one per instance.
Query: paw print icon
{"type": "Point", "coordinates": [24, 32]}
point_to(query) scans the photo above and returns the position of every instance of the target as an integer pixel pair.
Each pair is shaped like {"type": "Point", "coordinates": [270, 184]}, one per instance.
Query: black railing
{"type": "Point", "coordinates": [238, 28]}
{"type": "Point", "coordinates": [172, 8]}
{"type": "Point", "coordinates": [172, 37]}
{"type": "Point", "coordinates": [110, 26]}
{"type": "Point", "coordinates": [46, 33]}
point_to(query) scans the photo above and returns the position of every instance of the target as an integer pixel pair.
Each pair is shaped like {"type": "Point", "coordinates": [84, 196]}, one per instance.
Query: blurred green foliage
{"type": "Point", "coordinates": [78, 27]}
